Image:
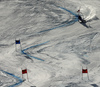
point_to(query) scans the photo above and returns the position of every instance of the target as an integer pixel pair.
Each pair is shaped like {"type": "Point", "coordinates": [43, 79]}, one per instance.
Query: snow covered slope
{"type": "Point", "coordinates": [48, 30]}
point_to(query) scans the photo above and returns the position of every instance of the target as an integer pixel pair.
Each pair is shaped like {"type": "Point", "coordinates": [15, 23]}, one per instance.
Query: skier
{"type": "Point", "coordinates": [80, 19]}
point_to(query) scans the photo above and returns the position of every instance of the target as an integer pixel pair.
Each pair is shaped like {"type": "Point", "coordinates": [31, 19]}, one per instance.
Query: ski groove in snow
{"type": "Point", "coordinates": [68, 23]}
{"type": "Point", "coordinates": [18, 78]}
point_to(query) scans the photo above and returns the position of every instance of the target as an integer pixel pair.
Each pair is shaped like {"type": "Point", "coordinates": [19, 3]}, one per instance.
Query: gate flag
{"type": "Point", "coordinates": [24, 71]}
{"type": "Point", "coordinates": [17, 41]}
{"type": "Point", "coordinates": [84, 71]}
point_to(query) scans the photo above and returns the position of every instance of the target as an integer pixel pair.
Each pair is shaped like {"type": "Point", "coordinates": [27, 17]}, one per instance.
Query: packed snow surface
{"type": "Point", "coordinates": [54, 45]}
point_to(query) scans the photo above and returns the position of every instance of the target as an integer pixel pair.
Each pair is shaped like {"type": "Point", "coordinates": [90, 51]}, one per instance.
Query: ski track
{"type": "Point", "coordinates": [18, 78]}
{"type": "Point", "coordinates": [69, 23]}
{"type": "Point", "coordinates": [23, 51]}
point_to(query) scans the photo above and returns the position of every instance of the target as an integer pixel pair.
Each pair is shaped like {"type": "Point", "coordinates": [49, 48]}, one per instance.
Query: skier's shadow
{"type": "Point", "coordinates": [84, 24]}
{"type": "Point", "coordinates": [94, 85]}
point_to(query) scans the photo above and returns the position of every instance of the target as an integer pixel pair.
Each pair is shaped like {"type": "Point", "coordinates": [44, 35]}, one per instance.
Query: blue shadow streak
{"type": "Point", "coordinates": [18, 78]}
{"type": "Point", "coordinates": [68, 11]}
{"type": "Point", "coordinates": [33, 47]}
{"type": "Point", "coordinates": [68, 23]}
